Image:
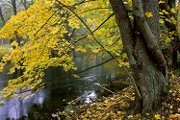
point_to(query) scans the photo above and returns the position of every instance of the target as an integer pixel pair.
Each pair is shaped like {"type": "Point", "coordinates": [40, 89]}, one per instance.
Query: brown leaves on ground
{"type": "Point", "coordinates": [171, 104]}
{"type": "Point", "coordinates": [117, 107]}
{"type": "Point", "coordinates": [114, 108]}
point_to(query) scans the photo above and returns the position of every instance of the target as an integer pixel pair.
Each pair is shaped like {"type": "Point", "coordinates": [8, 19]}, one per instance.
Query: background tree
{"type": "Point", "coordinates": [12, 7]}
{"type": "Point", "coordinates": [169, 17]}
{"type": "Point", "coordinates": [2, 17]}
{"type": "Point", "coordinates": [9, 8]}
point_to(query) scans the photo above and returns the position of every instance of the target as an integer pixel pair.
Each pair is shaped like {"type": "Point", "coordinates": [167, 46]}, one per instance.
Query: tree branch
{"type": "Point", "coordinates": [46, 21]}
{"type": "Point", "coordinates": [150, 39]}
{"type": "Point", "coordinates": [62, 77]}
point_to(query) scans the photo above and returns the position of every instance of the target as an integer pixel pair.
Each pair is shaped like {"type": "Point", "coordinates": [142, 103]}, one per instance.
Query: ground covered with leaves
{"type": "Point", "coordinates": [117, 107]}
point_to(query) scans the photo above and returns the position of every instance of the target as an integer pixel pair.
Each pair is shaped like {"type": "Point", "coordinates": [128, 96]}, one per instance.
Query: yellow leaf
{"type": "Point", "coordinates": [75, 76]}
{"type": "Point", "coordinates": [165, 12]}
{"type": "Point", "coordinates": [157, 117]}
{"type": "Point", "coordinates": [148, 14]}
{"type": "Point", "coordinates": [161, 21]}
{"type": "Point", "coordinates": [79, 48]}
{"type": "Point", "coordinates": [173, 10]}
{"type": "Point", "coordinates": [161, 1]}
{"type": "Point", "coordinates": [14, 43]}
{"type": "Point", "coordinates": [125, 3]}
{"type": "Point", "coordinates": [95, 50]}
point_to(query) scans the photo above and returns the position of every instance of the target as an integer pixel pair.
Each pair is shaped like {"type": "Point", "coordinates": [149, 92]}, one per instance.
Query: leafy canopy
{"type": "Point", "coordinates": [45, 35]}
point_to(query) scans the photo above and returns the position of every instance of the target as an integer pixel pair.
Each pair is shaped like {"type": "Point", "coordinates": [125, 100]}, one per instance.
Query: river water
{"type": "Point", "coordinates": [58, 92]}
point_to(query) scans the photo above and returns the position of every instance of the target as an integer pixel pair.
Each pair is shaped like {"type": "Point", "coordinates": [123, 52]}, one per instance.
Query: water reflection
{"type": "Point", "coordinates": [54, 97]}
{"type": "Point", "coordinates": [16, 108]}
{"type": "Point", "coordinates": [90, 96]}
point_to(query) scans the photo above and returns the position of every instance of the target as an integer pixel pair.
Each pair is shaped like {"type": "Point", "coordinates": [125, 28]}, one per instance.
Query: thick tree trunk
{"type": "Point", "coordinates": [144, 54]}
{"type": "Point", "coordinates": [149, 79]}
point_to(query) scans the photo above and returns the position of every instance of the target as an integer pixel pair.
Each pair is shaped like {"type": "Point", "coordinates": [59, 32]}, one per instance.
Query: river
{"type": "Point", "coordinates": [58, 92]}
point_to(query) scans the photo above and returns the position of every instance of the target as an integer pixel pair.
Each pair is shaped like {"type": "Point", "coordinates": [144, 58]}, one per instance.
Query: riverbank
{"type": "Point", "coordinates": [117, 107]}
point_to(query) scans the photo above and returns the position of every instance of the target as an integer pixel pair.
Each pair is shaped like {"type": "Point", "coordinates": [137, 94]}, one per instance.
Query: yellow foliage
{"type": "Point", "coordinates": [173, 10]}
{"type": "Point", "coordinates": [148, 14]}
{"type": "Point", "coordinates": [45, 29]}
{"type": "Point", "coordinates": [157, 117]}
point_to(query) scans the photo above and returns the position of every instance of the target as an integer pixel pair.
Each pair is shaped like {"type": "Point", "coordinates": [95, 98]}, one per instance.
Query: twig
{"type": "Point", "coordinates": [104, 88]}
{"type": "Point", "coordinates": [46, 21]}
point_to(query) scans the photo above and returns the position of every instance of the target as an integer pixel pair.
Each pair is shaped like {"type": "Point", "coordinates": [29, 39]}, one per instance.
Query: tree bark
{"type": "Point", "coordinates": [145, 56]}
{"type": "Point", "coordinates": [24, 3]}
{"type": "Point", "coordinates": [13, 2]}
{"type": "Point", "coordinates": [2, 17]}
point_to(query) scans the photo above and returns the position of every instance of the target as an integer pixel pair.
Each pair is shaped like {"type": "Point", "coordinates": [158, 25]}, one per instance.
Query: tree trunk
{"type": "Point", "coordinates": [141, 43]}
{"type": "Point", "coordinates": [2, 17]}
{"type": "Point", "coordinates": [24, 3]}
{"type": "Point", "coordinates": [13, 2]}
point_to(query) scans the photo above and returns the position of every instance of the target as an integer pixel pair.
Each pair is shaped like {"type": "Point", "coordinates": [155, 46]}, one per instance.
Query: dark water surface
{"type": "Point", "coordinates": [58, 92]}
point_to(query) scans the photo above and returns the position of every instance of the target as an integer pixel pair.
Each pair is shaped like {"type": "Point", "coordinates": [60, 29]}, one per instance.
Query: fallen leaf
{"type": "Point", "coordinates": [172, 116]}
{"type": "Point", "coordinates": [157, 117]}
